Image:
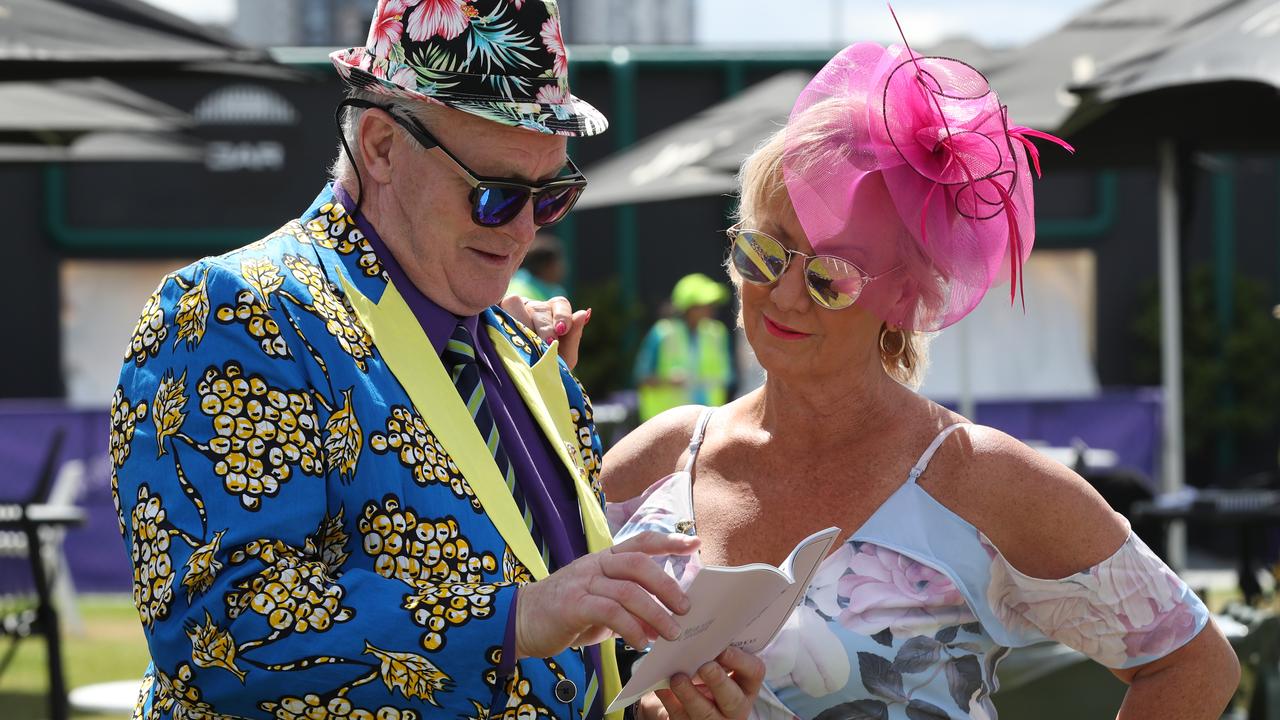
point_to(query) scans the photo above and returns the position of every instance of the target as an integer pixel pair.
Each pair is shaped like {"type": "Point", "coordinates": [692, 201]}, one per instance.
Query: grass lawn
{"type": "Point", "coordinates": [111, 648]}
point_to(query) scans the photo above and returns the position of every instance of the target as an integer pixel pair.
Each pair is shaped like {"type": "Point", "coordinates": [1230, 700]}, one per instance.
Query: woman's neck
{"type": "Point", "coordinates": [832, 409]}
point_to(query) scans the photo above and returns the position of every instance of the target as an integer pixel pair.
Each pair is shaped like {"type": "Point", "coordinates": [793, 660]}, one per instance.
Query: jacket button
{"type": "Point", "coordinates": [566, 691]}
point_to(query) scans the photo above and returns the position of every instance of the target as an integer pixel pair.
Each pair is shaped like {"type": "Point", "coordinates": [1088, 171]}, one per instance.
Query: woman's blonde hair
{"type": "Point", "coordinates": [763, 188]}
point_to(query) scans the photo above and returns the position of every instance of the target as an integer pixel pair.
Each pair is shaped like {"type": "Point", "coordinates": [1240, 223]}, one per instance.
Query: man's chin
{"type": "Point", "coordinates": [477, 302]}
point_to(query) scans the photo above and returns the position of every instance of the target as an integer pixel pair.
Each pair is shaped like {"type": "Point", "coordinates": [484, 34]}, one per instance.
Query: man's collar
{"type": "Point", "coordinates": [437, 322]}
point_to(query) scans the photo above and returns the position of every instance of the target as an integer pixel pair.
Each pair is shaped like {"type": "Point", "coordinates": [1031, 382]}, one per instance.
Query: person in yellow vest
{"type": "Point", "coordinates": [686, 359]}
{"type": "Point", "coordinates": [542, 273]}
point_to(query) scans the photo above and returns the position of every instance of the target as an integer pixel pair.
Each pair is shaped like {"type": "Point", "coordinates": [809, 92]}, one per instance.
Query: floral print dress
{"type": "Point", "coordinates": [909, 618]}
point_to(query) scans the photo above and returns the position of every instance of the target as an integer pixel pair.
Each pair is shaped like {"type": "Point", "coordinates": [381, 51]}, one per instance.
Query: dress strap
{"type": "Point", "coordinates": [699, 432]}
{"type": "Point", "coordinates": [923, 462]}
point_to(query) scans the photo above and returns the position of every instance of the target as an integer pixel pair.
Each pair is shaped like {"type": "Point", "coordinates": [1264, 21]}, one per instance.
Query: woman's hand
{"type": "Point", "coordinates": [552, 320]}
{"type": "Point", "coordinates": [725, 689]}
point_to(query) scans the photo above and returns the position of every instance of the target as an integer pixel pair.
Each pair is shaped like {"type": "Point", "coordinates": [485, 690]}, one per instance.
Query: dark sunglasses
{"type": "Point", "coordinates": [497, 201]}
{"type": "Point", "coordinates": [834, 283]}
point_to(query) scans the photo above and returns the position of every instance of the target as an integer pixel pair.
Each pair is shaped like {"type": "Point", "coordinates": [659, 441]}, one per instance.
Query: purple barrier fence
{"type": "Point", "coordinates": [1126, 421]}
{"type": "Point", "coordinates": [94, 550]}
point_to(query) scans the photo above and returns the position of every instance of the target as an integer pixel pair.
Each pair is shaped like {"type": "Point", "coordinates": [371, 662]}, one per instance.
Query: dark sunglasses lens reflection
{"type": "Point", "coordinates": [497, 205]}
{"type": "Point", "coordinates": [552, 205]}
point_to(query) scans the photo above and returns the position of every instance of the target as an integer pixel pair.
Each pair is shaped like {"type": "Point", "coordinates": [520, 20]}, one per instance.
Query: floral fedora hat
{"type": "Point", "coordinates": [503, 60]}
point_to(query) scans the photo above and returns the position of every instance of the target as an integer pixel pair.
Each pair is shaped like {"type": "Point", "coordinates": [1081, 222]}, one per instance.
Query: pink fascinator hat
{"type": "Point", "coordinates": [894, 160]}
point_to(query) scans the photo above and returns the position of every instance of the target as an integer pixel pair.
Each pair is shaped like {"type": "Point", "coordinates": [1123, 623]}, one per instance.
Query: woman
{"type": "Point", "coordinates": [896, 195]}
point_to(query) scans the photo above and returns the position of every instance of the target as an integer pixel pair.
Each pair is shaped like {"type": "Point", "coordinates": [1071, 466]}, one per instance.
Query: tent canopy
{"type": "Point", "coordinates": [89, 120]}
{"type": "Point", "coordinates": [106, 147]}
{"type": "Point", "coordinates": [1034, 79]}
{"type": "Point", "coordinates": [1212, 79]}
{"type": "Point", "coordinates": [78, 106]}
{"type": "Point", "coordinates": [1231, 41]}
{"type": "Point", "coordinates": [44, 35]}
{"type": "Point", "coordinates": [699, 156]}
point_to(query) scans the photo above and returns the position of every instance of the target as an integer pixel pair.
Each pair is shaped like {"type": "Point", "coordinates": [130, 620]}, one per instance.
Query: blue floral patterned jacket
{"type": "Point", "coordinates": [316, 527]}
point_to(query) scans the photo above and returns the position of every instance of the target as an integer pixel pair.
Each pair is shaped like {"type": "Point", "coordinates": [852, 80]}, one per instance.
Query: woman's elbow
{"type": "Point", "coordinates": [1229, 668]}
{"type": "Point", "coordinates": [1204, 673]}
{"type": "Point", "coordinates": [1218, 661]}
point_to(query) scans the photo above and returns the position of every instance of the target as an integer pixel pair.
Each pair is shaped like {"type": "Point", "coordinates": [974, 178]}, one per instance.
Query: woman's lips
{"type": "Point", "coordinates": [779, 330]}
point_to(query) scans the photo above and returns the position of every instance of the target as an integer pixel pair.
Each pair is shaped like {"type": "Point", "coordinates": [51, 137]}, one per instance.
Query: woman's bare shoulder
{"type": "Point", "coordinates": [648, 453]}
{"type": "Point", "coordinates": [1045, 519]}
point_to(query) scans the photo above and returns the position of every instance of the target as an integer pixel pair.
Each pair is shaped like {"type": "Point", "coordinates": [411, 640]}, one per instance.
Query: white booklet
{"type": "Point", "coordinates": [742, 606]}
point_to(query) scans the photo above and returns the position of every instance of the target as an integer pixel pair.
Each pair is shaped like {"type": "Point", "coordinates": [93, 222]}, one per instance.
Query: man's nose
{"type": "Point", "coordinates": [522, 225]}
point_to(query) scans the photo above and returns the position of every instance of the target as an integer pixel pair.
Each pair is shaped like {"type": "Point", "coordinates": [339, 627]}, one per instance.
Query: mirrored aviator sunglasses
{"type": "Point", "coordinates": [833, 283]}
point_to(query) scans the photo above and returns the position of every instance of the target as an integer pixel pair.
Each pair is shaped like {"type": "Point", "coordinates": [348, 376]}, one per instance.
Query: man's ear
{"type": "Point", "coordinates": [374, 135]}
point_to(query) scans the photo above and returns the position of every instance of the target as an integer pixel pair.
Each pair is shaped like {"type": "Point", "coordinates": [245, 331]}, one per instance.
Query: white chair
{"type": "Point", "coordinates": [65, 491]}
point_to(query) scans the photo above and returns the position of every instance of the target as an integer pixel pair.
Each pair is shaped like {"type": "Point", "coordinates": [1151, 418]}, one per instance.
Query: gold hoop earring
{"type": "Point", "coordinates": [902, 343]}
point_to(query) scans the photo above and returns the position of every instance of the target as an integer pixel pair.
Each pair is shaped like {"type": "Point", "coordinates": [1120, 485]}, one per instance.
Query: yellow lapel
{"type": "Point", "coordinates": [408, 352]}
{"type": "Point", "coordinates": [544, 395]}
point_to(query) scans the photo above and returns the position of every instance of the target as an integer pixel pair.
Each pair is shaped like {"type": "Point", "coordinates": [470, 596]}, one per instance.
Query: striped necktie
{"type": "Point", "coordinates": [459, 357]}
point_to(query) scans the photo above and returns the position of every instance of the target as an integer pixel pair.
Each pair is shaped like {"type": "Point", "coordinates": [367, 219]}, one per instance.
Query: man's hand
{"type": "Point", "coordinates": [553, 319]}
{"type": "Point", "coordinates": [620, 591]}
{"type": "Point", "coordinates": [725, 689]}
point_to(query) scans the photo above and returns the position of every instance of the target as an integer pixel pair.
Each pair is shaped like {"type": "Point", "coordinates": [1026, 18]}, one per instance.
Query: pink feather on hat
{"type": "Point", "coordinates": [896, 159]}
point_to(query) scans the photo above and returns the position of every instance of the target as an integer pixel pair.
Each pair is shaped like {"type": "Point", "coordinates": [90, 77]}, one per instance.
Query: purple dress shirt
{"type": "Point", "coordinates": [547, 488]}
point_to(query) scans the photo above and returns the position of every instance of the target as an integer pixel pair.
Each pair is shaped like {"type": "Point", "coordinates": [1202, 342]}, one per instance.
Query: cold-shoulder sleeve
{"type": "Point", "coordinates": [1127, 610]}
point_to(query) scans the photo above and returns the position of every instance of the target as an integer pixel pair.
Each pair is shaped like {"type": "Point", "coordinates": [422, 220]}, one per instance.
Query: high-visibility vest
{"type": "Point", "coordinates": [529, 286]}
{"type": "Point", "coordinates": [706, 377]}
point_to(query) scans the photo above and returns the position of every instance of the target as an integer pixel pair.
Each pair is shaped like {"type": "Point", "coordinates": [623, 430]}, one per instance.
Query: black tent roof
{"type": "Point", "coordinates": [46, 36]}
{"type": "Point", "coordinates": [1034, 79]}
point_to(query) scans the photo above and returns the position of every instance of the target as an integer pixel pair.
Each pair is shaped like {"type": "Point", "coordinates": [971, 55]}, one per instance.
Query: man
{"type": "Point", "coordinates": [542, 273]}
{"type": "Point", "coordinates": [352, 488]}
{"type": "Point", "coordinates": [685, 360]}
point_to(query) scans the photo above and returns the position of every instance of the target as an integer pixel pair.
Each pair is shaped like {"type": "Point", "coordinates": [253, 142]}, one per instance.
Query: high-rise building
{"type": "Point", "coordinates": [331, 23]}
{"type": "Point", "coordinates": [628, 22]}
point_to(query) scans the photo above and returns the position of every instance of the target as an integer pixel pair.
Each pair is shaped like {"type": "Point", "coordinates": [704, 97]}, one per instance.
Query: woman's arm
{"type": "Point", "coordinates": [1049, 523]}
{"type": "Point", "coordinates": [1195, 681]}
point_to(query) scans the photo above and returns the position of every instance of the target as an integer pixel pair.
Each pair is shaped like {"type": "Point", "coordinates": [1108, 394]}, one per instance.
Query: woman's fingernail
{"type": "Point", "coordinates": [561, 328]}
{"type": "Point", "coordinates": [587, 319]}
